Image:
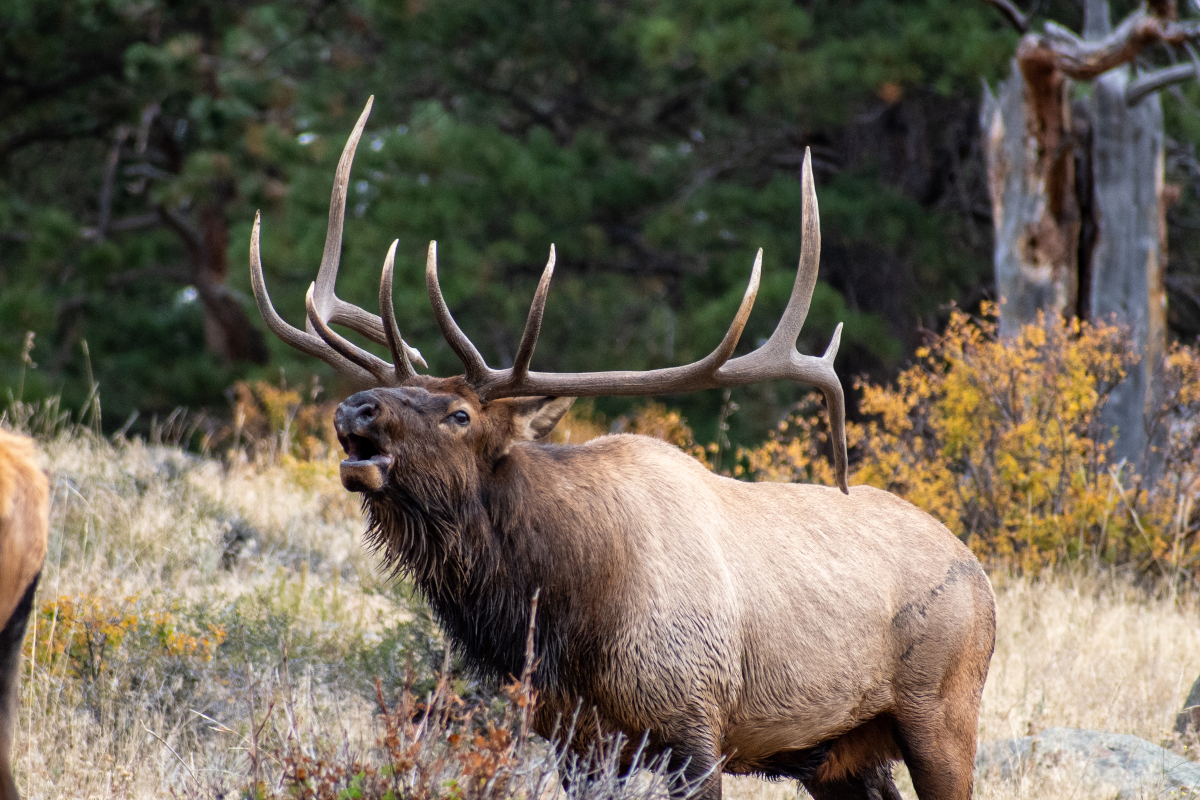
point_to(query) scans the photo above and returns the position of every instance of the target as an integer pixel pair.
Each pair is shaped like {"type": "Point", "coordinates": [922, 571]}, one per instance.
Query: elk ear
{"type": "Point", "coordinates": [535, 417]}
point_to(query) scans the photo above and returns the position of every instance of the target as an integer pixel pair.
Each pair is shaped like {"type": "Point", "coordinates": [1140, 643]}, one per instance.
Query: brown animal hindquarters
{"type": "Point", "coordinates": [24, 512]}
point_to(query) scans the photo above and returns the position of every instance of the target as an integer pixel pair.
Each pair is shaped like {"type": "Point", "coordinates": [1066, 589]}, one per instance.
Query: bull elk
{"type": "Point", "coordinates": [774, 629]}
{"type": "Point", "coordinates": [24, 512]}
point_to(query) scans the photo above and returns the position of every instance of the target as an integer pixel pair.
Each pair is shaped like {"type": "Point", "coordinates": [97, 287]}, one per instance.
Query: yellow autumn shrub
{"type": "Point", "coordinates": [85, 637]}
{"type": "Point", "coordinates": [1003, 442]}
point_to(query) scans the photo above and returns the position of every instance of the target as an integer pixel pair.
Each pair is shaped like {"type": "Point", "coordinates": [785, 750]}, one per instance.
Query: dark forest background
{"type": "Point", "coordinates": [658, 144]}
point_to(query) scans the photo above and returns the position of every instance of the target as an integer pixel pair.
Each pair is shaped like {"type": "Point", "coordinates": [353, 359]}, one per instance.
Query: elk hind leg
{"type": "Point", "coordinates": [937, 735]}
{"type": "Point", "coordinates": [936, 723]}
{"type": "Point", "coordinates": [12, 637]}
{"type": "Point", "coordinates": [940, 759]}
{"type": "Point", "coordinates": [939, 746]}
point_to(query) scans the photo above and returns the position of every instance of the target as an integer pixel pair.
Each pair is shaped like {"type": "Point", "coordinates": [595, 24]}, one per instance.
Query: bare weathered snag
{"type": "Point", "coordinates": [775, 629]}
{"type": "Point", "coordinates": [24, 512]}
{"type": "Point", "coordinates": [1078, 192]}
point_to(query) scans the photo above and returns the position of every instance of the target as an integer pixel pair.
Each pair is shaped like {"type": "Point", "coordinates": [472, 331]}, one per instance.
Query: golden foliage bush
{"type": "Point", "coordinates": [84, 635]}
{"type": "Point", "coordinates": [1003, 442]}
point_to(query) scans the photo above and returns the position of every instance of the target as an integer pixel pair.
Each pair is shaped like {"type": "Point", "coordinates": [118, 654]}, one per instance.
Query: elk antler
{"type": "Point", "coordinates": [776, 358]}
{"type": "Point", "coordinates": [324, 307]}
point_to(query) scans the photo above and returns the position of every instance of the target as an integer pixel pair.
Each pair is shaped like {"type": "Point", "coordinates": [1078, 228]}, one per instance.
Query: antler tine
{"type": "Point", "coordinates": [782, 345]}
{"type": "Point", "coordinates": [701, 374]}
{"type": "Point", "coordinates": [302, 341]}
{"type": "Point", "coordinates": [387, 310]}
{"type": "Point", "coordinates": [725, 348]}
{"type": "Point", "coordinates": [835, 401]}
{"type": "Point", "coordinates": [796, 312]}
{"type": "Point", "coordinates": [317, 339]}
{"type": "Point", "coordinates": [475, 367]}
{"type": "Point", "coordinates": [379, 369]}
{"type": "Point", "coordinates": [533, 324]}
{"type": "Point", "coordinates": [333, 309]}
{"type": "Point", "coordinates": [364, 322]}
{"type": "Point", "coordinates": [780, 349]}
{"type": "Point", "coordinates": [775, 359]}
{"type": "Point", "coordinates": [330, 259]}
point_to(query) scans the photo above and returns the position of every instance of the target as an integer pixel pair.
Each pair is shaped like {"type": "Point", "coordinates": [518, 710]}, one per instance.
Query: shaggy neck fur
{"type": "Point", "coordinates": [479, 552]}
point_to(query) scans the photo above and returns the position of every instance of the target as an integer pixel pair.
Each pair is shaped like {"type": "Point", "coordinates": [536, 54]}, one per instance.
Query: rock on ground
{"type": "Point", "coordinates": [1132, 766]}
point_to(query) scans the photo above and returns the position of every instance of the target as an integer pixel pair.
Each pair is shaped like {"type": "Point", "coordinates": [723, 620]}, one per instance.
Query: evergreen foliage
{"type": "Point", "coordinates": [657, 144]}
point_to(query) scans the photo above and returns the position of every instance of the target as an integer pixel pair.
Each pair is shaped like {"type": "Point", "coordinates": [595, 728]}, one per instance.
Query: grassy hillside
{"type": "Point", "coordinates": [205, 625]}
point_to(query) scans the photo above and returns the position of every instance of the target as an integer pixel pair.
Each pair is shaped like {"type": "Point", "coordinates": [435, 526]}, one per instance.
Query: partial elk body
{"type": "Point", "coordinates": [24, 524]}
{"type": "Point", "coordinates": [778, 629]}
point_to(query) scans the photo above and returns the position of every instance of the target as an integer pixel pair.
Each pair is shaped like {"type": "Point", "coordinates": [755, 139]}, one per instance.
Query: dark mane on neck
{"type": "Point", "coordinates": [476, 558]}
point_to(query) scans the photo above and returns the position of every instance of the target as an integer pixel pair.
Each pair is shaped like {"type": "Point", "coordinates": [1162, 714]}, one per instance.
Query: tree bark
{"type": "Point", "coordinates": [1130, 253]}
{"type": "Point", "coordinates": [1027, 132]}
{"type": "Point", "coordinates": [228, 332]}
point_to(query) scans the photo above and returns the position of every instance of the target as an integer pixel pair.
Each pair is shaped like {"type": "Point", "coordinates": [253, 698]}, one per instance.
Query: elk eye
{"type": "Point", "coordinates": [461, 417]}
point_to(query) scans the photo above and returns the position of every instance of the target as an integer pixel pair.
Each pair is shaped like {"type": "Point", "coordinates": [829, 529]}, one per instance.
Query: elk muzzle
{"type": "Point", "coordinates": [365, 468]}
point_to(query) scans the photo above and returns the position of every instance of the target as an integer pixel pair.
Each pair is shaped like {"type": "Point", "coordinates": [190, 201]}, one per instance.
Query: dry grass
{"type": "Point", "coordinates": [1089, 652]}
{"type": "Point", "coordinates": [270, 554]}
{"type": "Point", "coordinates": [298, 603]}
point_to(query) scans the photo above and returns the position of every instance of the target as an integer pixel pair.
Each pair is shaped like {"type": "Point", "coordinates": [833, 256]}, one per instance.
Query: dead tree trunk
{"type": "Point", "coordinates": [1078, 196]}
{"type": "Point", "coordinates": [1035, 210]}
{"type": "Point", "coordinates": [1130, 253]}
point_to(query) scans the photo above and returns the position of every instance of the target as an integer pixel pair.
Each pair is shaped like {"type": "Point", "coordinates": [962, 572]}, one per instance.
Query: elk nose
{"type": "Point", "coordinates": [355, 415]}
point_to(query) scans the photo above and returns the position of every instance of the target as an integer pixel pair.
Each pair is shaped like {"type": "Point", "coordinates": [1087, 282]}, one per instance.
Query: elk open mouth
{"type": "Point", "coordinates": [365, 469]}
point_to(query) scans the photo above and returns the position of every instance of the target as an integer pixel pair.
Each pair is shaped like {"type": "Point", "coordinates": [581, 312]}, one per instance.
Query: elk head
{"type": "Point", "coordinates": [406, 409]}
{"type": "Point", "coordinates": [433, 432]}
